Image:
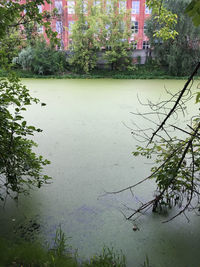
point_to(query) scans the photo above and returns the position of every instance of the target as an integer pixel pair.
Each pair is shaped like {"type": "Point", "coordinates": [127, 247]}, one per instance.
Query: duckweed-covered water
{"type": "Point", "coordinates": [86, 136]}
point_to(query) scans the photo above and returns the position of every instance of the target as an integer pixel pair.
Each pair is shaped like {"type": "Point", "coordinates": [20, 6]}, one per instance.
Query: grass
{"type": "Point", "coordinates": [107, 258]}
{"type": "Point", "coordinates": [33, 254]}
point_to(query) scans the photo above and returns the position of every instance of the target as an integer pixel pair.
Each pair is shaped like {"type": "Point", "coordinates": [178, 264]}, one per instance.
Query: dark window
{"type": "Point", "coordinates": [145, 28]}
{"type": "Point", "coordinates": [145, 45]}
{"type": "Point", "coordinates": [134, 45]}
{"type": "Point", "coordinates": [135, 27]}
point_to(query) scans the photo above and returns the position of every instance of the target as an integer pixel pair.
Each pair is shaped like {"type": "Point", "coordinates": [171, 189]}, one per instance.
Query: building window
{"type": "Point", "coordinates": [59, 27]}
{"type": "Point", "coordinates": [97, 3]}
{"type": "Point", "coordinates": [70, 25]}
{"type": "Point", "coordinates": [71, 7]}
{"type": "Point", "coordinates": [122, 6]}
{"type": "Point", "coordinates": [145, 28]}
{"type": "Point", "coordinates": [108, 6]}
{"type": "Point", "coordinates": [147, 10]}
{"type": "Point", "coordinates": [135, 7]}
{"type": "Point", "coordinates": [85, 7]}
{"type": "Point", "coordinates": [40, 8]}
{"type": "Point", "coordinates": [145, 45]}
{"type": "Point", "coordinates": [40, 29]}
{"type": "Point", "coordinates": [134, 44]}
{"type": "Point", "coordinates": [58, 6]}
{"type": "Point", "coordinates": [134, 27]}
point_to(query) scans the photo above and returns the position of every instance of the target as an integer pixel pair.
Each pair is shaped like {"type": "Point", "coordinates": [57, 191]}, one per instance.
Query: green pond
{"type": "Point", "coordinates": [87, 137]}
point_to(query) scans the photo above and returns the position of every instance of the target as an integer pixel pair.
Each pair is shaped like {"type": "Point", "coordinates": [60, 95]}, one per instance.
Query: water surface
{"type": "Point", "coordinates": [86, 137]}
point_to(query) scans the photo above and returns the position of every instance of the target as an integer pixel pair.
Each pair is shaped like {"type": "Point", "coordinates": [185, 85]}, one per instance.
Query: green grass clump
{"type": "Point", "coordinates": [107, 258]}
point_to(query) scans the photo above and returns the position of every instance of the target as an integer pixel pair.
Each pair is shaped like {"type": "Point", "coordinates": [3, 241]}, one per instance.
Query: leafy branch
{"type": "Point", "coordinates": [177, 160]}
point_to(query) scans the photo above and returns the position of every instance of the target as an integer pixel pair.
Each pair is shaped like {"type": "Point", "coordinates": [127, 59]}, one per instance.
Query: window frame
{"type": "Point", "coordinates": [59, 7]}
{"type": "Point", "coordinates": [145, 45]}
{"type": "Point", "coordinates": [148, 10]}
{"type": "Point", "coordinates": [135, 7]}
{"type": "Point", "coordinates": [71, 7]}
{"type": "Point", "coordinates": [59, 26]}
{"type": "Point", "coordinates": [134, 26]}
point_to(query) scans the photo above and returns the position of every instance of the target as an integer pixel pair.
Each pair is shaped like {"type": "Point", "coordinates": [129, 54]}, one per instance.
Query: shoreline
{"type": "Point", "coordinates": [155, 74]}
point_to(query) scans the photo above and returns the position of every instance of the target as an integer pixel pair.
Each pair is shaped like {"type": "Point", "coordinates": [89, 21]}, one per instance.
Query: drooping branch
{"type": "Point", "coordinates": [177, 101]}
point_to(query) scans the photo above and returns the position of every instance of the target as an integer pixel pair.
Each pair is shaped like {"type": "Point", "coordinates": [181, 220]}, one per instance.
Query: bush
{"type": "Point", "coordinates": [25, 58]}
{"type": "Point", "coordinates": [42, 59]}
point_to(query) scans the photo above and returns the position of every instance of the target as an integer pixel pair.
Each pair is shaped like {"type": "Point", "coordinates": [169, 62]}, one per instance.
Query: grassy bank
{"type": "Point", "coordinates": [26, 254]}
{"type": "Point", "coordinates": [142, 72]}
{"type": "Point", "coordinates": [27, 251]}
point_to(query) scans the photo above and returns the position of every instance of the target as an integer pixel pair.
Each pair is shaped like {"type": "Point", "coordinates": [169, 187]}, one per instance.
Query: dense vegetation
{"type": "Point", "coordinates": [178, 55]}
{"type": "Point", "coordinates": [103, 36]}
{"type": "Point", "coordinates": [41, 58]}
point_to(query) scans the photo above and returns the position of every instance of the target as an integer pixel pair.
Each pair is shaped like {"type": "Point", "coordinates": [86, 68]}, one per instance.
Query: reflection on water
{"type": "Point", "coordinates": [90, 151]}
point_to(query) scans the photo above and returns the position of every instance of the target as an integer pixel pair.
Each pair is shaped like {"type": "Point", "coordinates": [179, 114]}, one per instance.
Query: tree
{"type": "Point", "coordinates": [20, 168]}
{"type": "Point", "coordinates": [193, 10]}
{"type": "Point", "coordinates": [98, 28]}
{"type": "Point", "coordinates": [168, 19]}
{"type": "Point", "coordinates": [85, 43]}
{"type": "Point", "coordinates": [115, 34]}
{"type": "Point", "coordinates": [180, 54]}
{"type": "Point", "coordinates": [163, 17]}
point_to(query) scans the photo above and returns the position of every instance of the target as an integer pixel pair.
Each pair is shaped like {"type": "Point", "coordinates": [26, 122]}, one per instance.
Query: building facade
{"type": "Point", "coordinates": [63, 22]}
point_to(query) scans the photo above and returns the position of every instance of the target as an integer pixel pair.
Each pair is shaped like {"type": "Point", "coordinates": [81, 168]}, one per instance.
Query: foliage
{"type": "Point", "coordinates": [101, 28]}
{"type": "Point", "coordinates": [164, 18]}
{"type": "Point", "coordinates": [24, 58]}
{"type": "Point", "coordinates": [42, 59]}
{"type": "Point", "coordinates": [149, 71]}
{"type": "Point", "coordinates": [180, 54]}
{"type": "Point", "coordinates": [20, 168]}
{"type": "Point", "coordinates": [13, 20]}
{"type": "Point", "coordinates": [193, 10]}
{"type": "Point", "coordinates": [167, 19]}
{"type": "Point", "coordinates": [115, 34]}
{"type": "Point", "coordinates": [176, 168]}
{"type": "Point", "coordinates": [84, 44]}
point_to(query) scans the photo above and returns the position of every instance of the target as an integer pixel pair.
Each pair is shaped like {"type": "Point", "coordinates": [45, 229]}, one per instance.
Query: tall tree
{"type": "Point", "coordinates": [180, 54]}
{"type": "Point", "coordinates": [115, 34]}
{"type": "Point", "coordinates": [84, 37]}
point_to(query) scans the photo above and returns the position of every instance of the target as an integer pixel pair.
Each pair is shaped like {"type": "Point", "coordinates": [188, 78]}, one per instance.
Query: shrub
{"type": "Point", "coordinates": [42, 59]}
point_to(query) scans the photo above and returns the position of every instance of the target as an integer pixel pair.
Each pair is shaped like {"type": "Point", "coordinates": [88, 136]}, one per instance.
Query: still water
{"type": "Point", "coordinates": [86, 137]}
